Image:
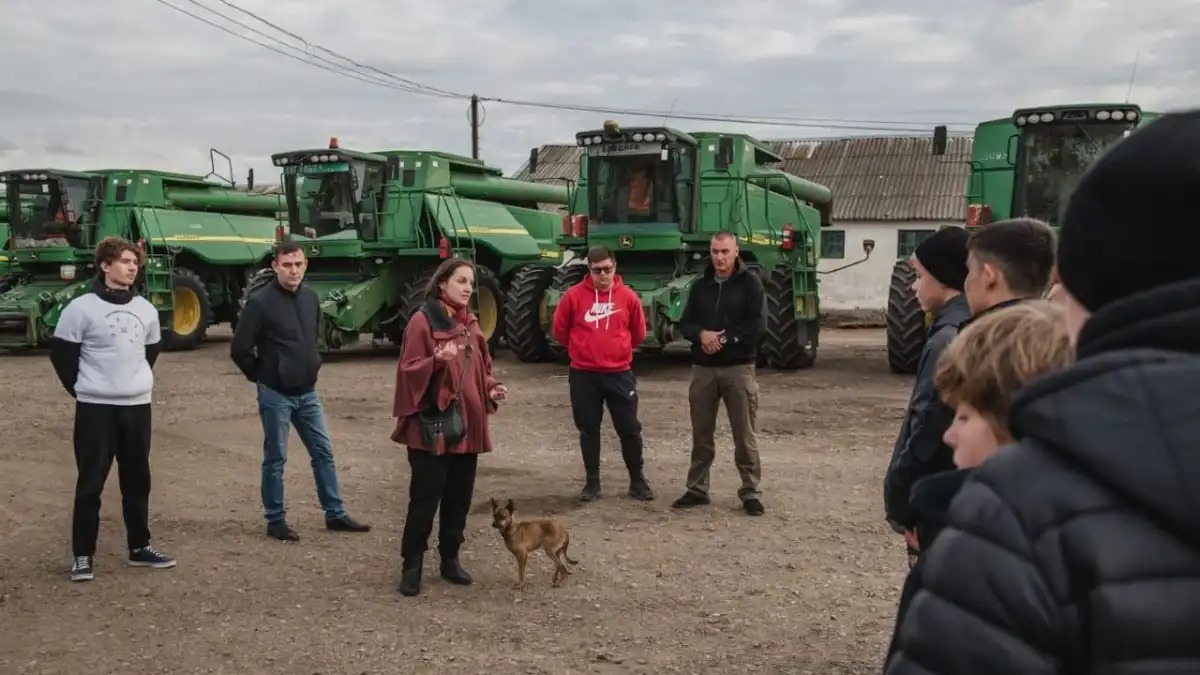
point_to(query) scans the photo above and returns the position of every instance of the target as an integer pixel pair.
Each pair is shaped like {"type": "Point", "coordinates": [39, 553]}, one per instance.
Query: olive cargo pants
{"type": "Point", "coordinates": [737, 386]}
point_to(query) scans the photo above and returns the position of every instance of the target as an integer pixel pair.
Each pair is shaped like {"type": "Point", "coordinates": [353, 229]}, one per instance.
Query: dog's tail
{"type": "Point", "coordinates": [566, 543]}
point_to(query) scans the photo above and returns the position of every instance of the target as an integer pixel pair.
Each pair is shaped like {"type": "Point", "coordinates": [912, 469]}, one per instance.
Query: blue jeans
{"type": "Point", "coordinates": [279, 413]}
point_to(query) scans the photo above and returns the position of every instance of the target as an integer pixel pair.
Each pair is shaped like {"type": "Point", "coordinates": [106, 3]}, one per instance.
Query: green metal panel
{"type": "Point", "coordinates": [993, 156]}
{"type": "Point", "coordinates": [215, 238]}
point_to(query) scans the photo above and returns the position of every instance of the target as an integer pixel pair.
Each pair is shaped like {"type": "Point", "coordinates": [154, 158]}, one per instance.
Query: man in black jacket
{"type": "Point", "coordinates": [724, 321]}
{"type": "Point", "coordinates": [275, 346]}
{"type": "Point", "coordinates": [1077, 549]}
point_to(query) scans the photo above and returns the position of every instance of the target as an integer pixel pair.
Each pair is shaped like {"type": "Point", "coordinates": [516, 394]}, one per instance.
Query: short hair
{"type": "Point", "coordinates": [597, 254]}
{"type": "Point", "coordinates": [109, 250]}
{"type": "Point", "coordinates": [724, 234]}
{"type": "Point", "coordinates": [285, 247]}
{"type": "Point", "coordinates": [1001, 352]}
{"type": "Point", "coordinates": [1023, 249]}
{"type": "Point", "coordinates": [443, 273]}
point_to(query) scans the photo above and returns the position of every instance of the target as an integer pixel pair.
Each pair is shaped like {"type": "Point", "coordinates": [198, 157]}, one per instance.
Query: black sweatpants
{"type": "Point", "coordinates": [446, 481]}
{"type": "Point", "coordinates": [104, 433]}
{"type": "Point", "coordinates": [590, 392]}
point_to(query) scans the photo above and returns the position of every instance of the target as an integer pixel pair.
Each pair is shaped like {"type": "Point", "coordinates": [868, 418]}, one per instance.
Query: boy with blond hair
{"type": "Point", "coordinates": [977, 376]}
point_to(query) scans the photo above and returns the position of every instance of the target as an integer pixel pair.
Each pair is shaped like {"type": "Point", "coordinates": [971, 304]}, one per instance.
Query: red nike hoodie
{"type": "Point", "coordinates": [600, 328]}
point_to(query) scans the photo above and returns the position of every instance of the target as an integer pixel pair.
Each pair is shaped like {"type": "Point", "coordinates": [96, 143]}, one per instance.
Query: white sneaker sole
{"type": "Point", "coordinates": [77, 576]}
{"type": "Point", "coordinates": [160, 566]}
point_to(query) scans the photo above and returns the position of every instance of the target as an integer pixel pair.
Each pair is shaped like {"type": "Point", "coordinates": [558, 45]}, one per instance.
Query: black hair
{"type": "Point", "coordinates": [1023, 249]}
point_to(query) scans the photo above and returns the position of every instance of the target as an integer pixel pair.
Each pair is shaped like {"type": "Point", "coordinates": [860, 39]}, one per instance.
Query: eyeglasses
{"type": "Point", "coordinates": [604, 269]}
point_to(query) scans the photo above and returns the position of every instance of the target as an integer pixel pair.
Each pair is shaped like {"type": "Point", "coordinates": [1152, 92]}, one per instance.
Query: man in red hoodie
{"type": "Point", "coordinates": [600, 321]}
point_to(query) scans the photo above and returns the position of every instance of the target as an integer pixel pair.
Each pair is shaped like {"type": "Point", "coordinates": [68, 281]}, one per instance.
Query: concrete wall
{"type": "Point", "coordinates": [859, 293]}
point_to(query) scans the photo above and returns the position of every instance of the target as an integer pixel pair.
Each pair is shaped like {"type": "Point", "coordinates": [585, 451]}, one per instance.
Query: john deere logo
{"type": "Point", "coordinates": [315, 249]}
{"type": "Point", "coordinates": [626, 242]}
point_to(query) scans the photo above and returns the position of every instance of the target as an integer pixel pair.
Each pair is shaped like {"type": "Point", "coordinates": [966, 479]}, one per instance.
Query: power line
{"type": "Point", "coordinates": [411, 86]}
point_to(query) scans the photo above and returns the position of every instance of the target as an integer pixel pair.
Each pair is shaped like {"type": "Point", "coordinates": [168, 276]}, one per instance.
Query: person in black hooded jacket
{"type": "Point", "coordinates": [1077, 548]}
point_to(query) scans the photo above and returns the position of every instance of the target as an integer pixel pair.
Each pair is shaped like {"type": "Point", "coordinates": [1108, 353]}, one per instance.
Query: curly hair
{"type": "Point", "coordinates": [1001, 352]}
{"type": "Point", "coordinates": [109, 250]}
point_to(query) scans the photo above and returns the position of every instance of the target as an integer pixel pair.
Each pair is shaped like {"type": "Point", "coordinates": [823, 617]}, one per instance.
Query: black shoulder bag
{"type": "Point", "coordinates": [441, 429]}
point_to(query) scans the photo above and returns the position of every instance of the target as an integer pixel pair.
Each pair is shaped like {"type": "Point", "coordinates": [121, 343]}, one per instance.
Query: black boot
{"type": "Point", "coordinates": [453, 571]}
{"type": "Point", "coordinates": [410, 580]}
{"type": "Point", "coordinates": [639, 487]}
{"type": "Point", "coordinates": [591, 489]}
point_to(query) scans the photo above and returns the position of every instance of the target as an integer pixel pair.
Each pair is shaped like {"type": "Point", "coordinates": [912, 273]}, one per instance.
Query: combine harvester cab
{"type": "Point", "coordinates": [51, 218]}
{"type": "Point", "coordinates": [655, 196]}
{"type": "Point", "coordinates": [1025, 165]}
{"type": "Point", "coordinates": [202, 241]}
{"type": "Point", "coordinates": [375, 225]}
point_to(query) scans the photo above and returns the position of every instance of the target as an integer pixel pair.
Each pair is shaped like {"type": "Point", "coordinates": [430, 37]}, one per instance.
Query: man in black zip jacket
{"type": "Point", "coordinates": [275, 346]}
{"type": "Point", "coordinates": [724, 321]}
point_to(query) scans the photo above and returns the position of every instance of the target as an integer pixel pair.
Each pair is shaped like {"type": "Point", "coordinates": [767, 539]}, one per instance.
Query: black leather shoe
{"type": "Point", "coordinates": [347, 524]}
{"type": "Point", "coordinates": [410, 581]}
{"type": "Point", "coordinates": [453, 571]}
{"type": "Point", "coordinates": [281, 531]}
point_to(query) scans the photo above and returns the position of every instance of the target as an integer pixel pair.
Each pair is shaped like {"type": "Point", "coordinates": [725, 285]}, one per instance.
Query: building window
{"type": "Point", "coordinates": [907, 241]}
{"type": "Point", "coordinates": [833, 244]}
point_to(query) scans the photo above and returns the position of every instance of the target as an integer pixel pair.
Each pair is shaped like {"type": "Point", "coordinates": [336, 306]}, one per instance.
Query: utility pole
{"type": "Point", "coordinates": [474, 126]}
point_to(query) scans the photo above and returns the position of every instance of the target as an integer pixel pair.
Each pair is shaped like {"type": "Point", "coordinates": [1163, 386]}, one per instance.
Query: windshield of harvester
{"type": "Point", "coordinates": [322, 197]}
{"type": "Point", "coordinates": [46, 212]}
{"type": "Point", "coordinates": [1053, 158]}
{"type": "Point", "coordinates": [633, 187]}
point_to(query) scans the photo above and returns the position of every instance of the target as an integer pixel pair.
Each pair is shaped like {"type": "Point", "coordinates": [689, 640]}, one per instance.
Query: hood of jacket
{"type": "Point", "coordinates": [1127, 413]}
{"type": "Point", "coordinates": [606, 296]}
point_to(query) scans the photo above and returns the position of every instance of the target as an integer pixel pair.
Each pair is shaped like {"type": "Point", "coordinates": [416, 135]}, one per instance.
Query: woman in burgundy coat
{"type": "Point", "coordinates": [444, 355]}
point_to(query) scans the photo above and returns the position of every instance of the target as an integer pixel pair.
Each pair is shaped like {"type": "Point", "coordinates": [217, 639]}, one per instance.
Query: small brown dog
{"type": "Point", "coordinates": [528, 536]}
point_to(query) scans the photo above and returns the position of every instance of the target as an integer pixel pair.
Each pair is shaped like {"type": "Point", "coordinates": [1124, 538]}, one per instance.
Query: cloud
{"type": "Point", "coordinates": [135, 83]}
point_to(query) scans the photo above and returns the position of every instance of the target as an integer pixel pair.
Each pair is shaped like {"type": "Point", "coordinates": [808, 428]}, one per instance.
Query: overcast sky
{"type": "Point", "coordinates": [104, 83]}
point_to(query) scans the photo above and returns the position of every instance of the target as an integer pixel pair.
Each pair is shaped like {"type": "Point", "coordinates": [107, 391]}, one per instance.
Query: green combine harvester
{"type": "Point", "coordinates": [1025, 165]}
{"type": "Point", "coordinates": [375, 225]}
{"type": "Point", "coordinates": [655, 196]}
{"type": "Point", "coordinates": [203, 241]}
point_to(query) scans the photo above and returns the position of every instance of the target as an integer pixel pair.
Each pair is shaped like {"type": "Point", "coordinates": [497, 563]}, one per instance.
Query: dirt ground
{"type": "Point", "coordinates": [808, 588]}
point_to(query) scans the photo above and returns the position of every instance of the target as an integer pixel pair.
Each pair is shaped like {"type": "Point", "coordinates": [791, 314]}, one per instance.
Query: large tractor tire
{"type": "Point", "coordinates": [192, 312]}
{"type": "Point", "coordinates": [525, 315]}
{"type": "Point", "coordinates": [906, 321]}
{"type": "Point", "coordinates": [790, 342]}
{"type": "Point", "coordinates": [564, 278]}
{"type": "Point", "coordinates": [489, 306]}
{"type": "Point", "coordinates": [411, 299]}
{"type": "Point", "coordinates": [258, 281]}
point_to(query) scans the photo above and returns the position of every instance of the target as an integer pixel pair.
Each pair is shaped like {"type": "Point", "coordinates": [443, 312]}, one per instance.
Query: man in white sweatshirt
{"type": "Point", "coordinates": [103, 350]}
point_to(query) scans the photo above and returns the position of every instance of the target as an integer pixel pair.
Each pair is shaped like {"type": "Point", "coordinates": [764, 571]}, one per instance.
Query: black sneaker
{"type": "Point", "coordinates": [281, 531]}
{"type": "Point", "coordinates": [591, 491]}
{"type": "Point", "coordinates": [690, 499]}
{"type": "Point", "coordinates": [639, 488]}
{"type": "Point", "coordinates": [82, 569]}
{"type": "Point", "coordinates": [753, 507]}
{"type": "Point", "coordinates": [146, 556]}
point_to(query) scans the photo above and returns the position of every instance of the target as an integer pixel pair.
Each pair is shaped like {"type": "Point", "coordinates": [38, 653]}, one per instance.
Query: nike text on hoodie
{"type": "Point", "coordinates": [600, 328]}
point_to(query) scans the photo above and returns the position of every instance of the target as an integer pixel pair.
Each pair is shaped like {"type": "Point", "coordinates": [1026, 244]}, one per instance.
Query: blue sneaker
{"type": "Point", "coordinates": [146, 556]}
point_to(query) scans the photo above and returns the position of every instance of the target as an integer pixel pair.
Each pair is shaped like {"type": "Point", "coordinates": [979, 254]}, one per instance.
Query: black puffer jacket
{"type": "Point", "coordinates": [1077, 549]}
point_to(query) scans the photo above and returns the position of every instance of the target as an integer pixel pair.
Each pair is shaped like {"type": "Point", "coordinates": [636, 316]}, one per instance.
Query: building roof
{"type": "Point", "coordinates": [873, 178]}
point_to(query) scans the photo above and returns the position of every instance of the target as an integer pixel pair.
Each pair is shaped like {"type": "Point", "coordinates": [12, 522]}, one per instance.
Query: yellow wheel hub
{"type": "Point", "coordinates": [187, 311]}
{"type": "Point", "coordinates": [489, 313]}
